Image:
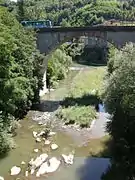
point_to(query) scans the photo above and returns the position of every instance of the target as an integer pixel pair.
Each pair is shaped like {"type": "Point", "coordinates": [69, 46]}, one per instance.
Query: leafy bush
{"type": "Point", "coordinates": [120, 84]}
{"type": "Point", "coordinates": [6, 142]}
{"type": "Point", "coordinates": [14, 125]}
{"type": "Point", "coordinates": [119, 99]}
{"type": "Point", "coordinates": [79, 115]}
{"type": "Point", "coordinates": [58, 66]}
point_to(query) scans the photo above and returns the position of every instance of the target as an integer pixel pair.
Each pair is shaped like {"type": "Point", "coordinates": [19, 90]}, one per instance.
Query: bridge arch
{"type": "Point", "coordinates": [48, 39]}
{"type": "Point", "coordinates": [49, 42]}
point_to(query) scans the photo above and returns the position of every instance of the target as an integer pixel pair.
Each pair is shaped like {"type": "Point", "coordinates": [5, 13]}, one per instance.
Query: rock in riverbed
{"type": "Point", "coordinates": [1, 178]}
{"type": "Point", "coordinates": [41, 133]}
{"type": "Point", "coordinates": [54, 146]}
{"type": "Point", "coordinates": [22, 163]}
{"type": "Point", "coordinates": [26, 173]}
{"type": "Point", "coordinates": [35, 150]}
{"type": "Point", "coordinates": [48, 167]}
{"type": "Point", "coordinates": [40, 123]}
{"type": "Point", "coordinates": [34, 134]}
{"type": "Point", "coordinates": [15, 170]}
{"type": "Point", "coordinates": [38, 161]}
{"type": "Point", "coordinates": [47, 142]}
{"type": "Point", "coordinates": [52, 133]}
{"type": "Point", "coordinates": [38, 140]}
{"type": "Point", "coordinates": [68, 159]}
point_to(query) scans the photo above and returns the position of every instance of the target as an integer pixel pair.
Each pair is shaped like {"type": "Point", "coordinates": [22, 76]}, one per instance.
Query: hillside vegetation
{"type": "Point", "coordinates": [75, 12]}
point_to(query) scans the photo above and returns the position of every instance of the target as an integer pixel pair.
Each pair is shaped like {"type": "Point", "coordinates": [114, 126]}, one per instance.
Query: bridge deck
{"type": "Point", "coordinates": [96, 28]}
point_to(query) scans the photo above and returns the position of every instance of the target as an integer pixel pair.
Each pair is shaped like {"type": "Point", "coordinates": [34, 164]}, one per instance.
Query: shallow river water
{"type": "Point", "coordinates": [26, 144]}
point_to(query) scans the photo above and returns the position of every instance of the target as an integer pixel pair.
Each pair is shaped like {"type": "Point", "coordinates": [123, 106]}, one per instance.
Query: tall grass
{"type": "Point", "coordinates": [78, 106]}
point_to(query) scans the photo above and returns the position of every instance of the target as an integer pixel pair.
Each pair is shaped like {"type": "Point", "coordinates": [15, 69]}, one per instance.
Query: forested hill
{"type": "Point", "coordinates": [75, 12]}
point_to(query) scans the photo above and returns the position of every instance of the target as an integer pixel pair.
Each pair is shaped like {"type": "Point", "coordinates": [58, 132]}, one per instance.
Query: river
{"type": "Point", "coordinates": [26, 143]}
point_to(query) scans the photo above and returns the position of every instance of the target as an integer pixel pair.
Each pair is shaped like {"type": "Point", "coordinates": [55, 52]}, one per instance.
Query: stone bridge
{"type": "Point", "coordinates": [48, 39]}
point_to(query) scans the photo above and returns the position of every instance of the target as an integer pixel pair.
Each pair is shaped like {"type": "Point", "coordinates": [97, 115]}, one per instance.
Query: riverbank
{"type": "Point", "coordinates": [68, 138]}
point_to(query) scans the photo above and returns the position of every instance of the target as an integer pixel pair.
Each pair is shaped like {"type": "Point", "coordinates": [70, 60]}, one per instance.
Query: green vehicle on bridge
{"type": "Point", "coordinates": [37, 24]}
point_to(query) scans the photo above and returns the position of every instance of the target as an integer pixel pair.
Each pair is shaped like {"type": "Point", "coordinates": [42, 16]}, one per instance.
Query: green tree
{"type": "Point", "coordinates": [20, 77]}
{"type": "Point", "coordinates": [58, 66]}
{"type": "Point", "coordinates": [119, 99]}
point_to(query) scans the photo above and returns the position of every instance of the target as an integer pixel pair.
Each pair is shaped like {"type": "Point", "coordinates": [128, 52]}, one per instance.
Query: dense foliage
{"type": "Point", "coordinates": [75, 12]}
{"type": "Point", "coordinates": [82, 116]}
{"type": "Point", "coordinates": [120, 102]}
{"type": "Point", "coordinates": [58, 66]}
{"type": "Point", "coordinates": [99, 11]}
{"type": "Point", "coordinates": [20, 77]}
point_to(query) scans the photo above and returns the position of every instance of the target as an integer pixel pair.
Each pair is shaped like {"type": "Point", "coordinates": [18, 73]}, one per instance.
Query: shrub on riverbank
{"type": "Point", "coordinates": [79, 106]}
{"type": "Point", "coordinates": [119, 99]}
{"type": "Point", "coordinates": [58, 66]}
{"type": "Point", "coordinates": [77, 115]}
{"type": "Point", "coordinates": [6, 141]}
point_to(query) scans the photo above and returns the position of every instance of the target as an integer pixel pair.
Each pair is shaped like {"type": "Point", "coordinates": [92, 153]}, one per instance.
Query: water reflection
{"type": "Point", "coordinates": [82, 169]}
{"type": "Point", "coordinates": [93, 168]}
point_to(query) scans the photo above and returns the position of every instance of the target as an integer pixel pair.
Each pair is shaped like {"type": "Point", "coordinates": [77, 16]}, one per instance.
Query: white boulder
{"type": "Point", "coordinates": [54, 146]}
{"type": "Point", "coordinates": [34, 134]}
{"type": "Point", "coordinates": [32, 171]}
{"type": "Point", "coordinates": [22, 163]}
{"type": "Point", "coordinates": [38, 161]}
{"type": "Point", "coordinates": [15, 170]}
{"type": "Point", "coordinates": [26, 173]}
{"type": "Point", "coordinates": [52, 133]}
{"type": "Point", "coordinates": [68, 159]}
{"type": "Point", "coordinates": [41, 133]}
{"type": "Point", "coordinates": [47, 142]}
{"type": "Point", "coordinates": [40, 123]}
{"type": "Point", "coordinates": [48, 167]}
{"type": "Point", "coordinates": [52, 89]}
{"type": "Point", "coordinates": [36, 150]}
{"type": "Point", "coordinates": [1, 178]}
{"type": "Point", "coordinates": [31, 162]}
{"type": "Point", "coordinates": [54, 164]}
{"type": "Point", "coordinates": [38, 140]}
